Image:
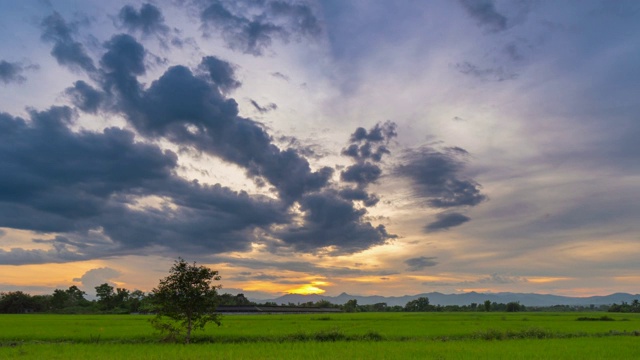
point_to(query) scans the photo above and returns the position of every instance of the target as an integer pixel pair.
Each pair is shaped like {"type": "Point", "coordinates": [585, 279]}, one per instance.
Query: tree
{"type": "Point", "coordinates": [185, 300]}
{"type": "Point", "coordinates": [487, 305]}
{"type": "Point", "coordinates": [351, 306]}
{"type": "Point", "coordinates": [513, 306]}
{"type": "Point", "coordinates": [121, 299]}
{"type": "Point", "coordinates": [105, 296]}
{"type": "Point", "coordinates": [233, 300]}
{"type": "Point", "coordinates": [136, 301]}
{"type": "Point", "coordinates": [69, 299]}
{"type": "Point", "coordinates": [419, 304]}
{"type": "Point", "coordinates": [16, 302]}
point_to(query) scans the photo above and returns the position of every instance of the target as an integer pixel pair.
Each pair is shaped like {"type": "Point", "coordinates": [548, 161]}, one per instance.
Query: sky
{"type": "Point", "coordinates": [368, 147]}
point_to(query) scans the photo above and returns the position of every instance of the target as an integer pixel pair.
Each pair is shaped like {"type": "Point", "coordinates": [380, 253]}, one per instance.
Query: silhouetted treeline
{"type": "Point", "coordinates": [422, 304]}
{"type": "Point", "coordinates": [110, 300]}
{"type": "Point", "coordinates": [74, 301]}
{"type": "Point", "coordinates": [634, 307]}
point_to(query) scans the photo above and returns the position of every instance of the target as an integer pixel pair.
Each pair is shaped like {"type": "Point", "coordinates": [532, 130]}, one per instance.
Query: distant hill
{"type": "Point", "coordinates": [437, 298]}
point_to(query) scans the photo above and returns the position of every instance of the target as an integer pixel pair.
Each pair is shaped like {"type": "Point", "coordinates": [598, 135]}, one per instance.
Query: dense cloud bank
{"type": "Point", "coordinates": [95, 194]}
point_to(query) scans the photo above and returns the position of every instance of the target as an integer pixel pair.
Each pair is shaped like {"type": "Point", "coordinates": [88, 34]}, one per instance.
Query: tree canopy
{"type": "Point", "coordinates": [185, 300]}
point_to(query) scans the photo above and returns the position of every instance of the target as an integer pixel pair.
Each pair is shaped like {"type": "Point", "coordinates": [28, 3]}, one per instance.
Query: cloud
{"type": "Point", "coordinates": [264, 109]}
{"type": "Point", "coordinates": [85, 97]}
{"type": "Point", "coordinates": [221, 72]}
{"type": "Point", "coordinates": [420, 263]}
{"type": "Point", "coordinates": [489, 279]}
{"type": "Point", "coordinates": [92, 188]}
{"type": "Point", "coordinates": [19, 256]}
{"type": "Point", "coordinates": [359, 195]}
{"type": "Point", "coordinates": [445, 221]}
{"type": "Point", "coordinates": [190, 110]}
{"type": "Point", "coordinates": [98, 276]}
{"type": "Point", "coordinates": [71, 174]}
{"type": "Point", "coordinates": [500, 279]}
{"type": "Point", "coordinates": [66, 50]}
{"type": "Point", "coordinates": [242, 34]}
{"type": "Point", "coordinates": [273, 20]}
{"type": "Point", "coordinates": [123, 60]}
{"type": "Point", "coordinates": [372, 144]}
{"type": "Point", "coordinates": [487, 74]}
{"type": "Point", "coordinates": [485, 14]}
{"type": "Point", "coordinates": [332, 224]}
{"type": "Point", "coordinates": [280, 75]}
{"type": "Point", "coordinates": [362, 174]}
{"type": "Point", "coordinates": [436, 177]}
{"type": "Point", "coordinates": [299, 17]}
{"type": "Point", "coordinates": [366, 148]}
{"type": "Point", "coordinates": [11, 72]}
{"type": "Point", "coordinates": [299, 266]}
{"type": "Point", "coordinates": [86, 186]}
{"type": "Point", "coordinates": [148, 20]}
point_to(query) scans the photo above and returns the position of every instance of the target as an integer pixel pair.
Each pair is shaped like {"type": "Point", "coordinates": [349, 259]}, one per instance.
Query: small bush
{"type": "Point", "coordinates": [329, 335]}
{"type": "Point", "coordinates": [372, 336]}
{"type": "Point", "coordinates": [601, 318]}
{"type": "Point", "coordinates": [489, 334]}
{"type": "Point", "coordinates": [532, 333]}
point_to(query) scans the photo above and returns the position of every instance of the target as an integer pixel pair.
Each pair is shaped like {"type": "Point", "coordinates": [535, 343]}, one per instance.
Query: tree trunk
{"type": "Point", "coordinates": [188, 339]}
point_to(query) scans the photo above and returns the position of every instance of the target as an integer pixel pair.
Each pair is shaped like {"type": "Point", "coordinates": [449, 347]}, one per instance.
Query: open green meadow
{"type": "Point", "coordinates": [334, 336]}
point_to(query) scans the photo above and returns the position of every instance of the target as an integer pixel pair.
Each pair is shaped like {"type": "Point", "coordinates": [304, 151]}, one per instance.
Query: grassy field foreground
{"type": "Point", "coordinates": [335, 336]}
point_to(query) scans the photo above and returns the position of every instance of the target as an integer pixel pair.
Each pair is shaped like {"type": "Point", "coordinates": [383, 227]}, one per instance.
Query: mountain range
{"type": "Point", "coordinates": [436, 298]}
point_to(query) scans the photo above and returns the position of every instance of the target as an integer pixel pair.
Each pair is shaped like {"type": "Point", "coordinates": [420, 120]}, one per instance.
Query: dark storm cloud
{"type": "Point", "coordinates": [445, 221]}
{"type": "Point", "coordinates": [85, 97]}
{"type": "Point", "coordinates": [221, 73]}
{"type": "Point", "coordinates": [86, 187]}
{"type": "Point", "coordinates": [148, 19]}
{"type": "Point", "coordinates": [485, 13]}
{"type": "Point", "coordinates": [102, 194]}
{"type": "Point", "coordinates": [124, 57]}
{"type": "Point", "coordinates": [273, 20]}
{"type": "Point", "coordinates": [264, 109]}
{"type": "Point", "coordinates": [420, 263]}
{"type": "Point", "coordinates": [66, 50]}
{"type": "Point", "coordinates": [52, 177]}
{"type": "Point", "coordinates": [372, 144]}
{"type": "Point", "coordinates": [367, 146]}
{"type": "Point", "coordinates": [357, 194]}
{"type": "Point", "coordinates": [11, 72]}
{"type": "Point", "coordinates": [362, 174]}
{"type": "Point", "coordinates": [330, 220]}
{"type": "Point", "coordinates": [19, 256]}
{"type": "Point", "coordinates": [191, 110]}
{"type": "Point", "coordinates": [436, 176]}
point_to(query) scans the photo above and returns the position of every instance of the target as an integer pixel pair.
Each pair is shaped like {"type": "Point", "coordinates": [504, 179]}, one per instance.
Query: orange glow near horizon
{"type": "Point", "coordinates": [544, 280]}
{"type": "Point", "coordinates": [309, 289]}
{"type": "Point", "coordinates": [49, 275]}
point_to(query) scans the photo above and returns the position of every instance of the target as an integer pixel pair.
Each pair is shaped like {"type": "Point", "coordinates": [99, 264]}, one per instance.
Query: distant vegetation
{"type": "Point", "coordinates": [110, 300]}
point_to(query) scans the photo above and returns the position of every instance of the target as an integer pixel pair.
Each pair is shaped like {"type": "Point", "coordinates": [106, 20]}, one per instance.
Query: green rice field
{"type": "Point", "coordinates": [334, 336]}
